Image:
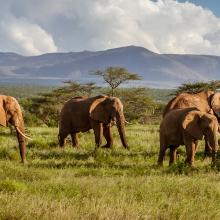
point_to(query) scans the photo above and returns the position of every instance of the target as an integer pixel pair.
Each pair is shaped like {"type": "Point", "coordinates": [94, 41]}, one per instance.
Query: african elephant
{"type": "Point", "coordinates": [207, 101]}
{"type": "Point", "coordinates": [80, 114]}
{"type": "Point", "coordinates": [186, 127]}
{"type": "Point", "coordinates": [10, 114]}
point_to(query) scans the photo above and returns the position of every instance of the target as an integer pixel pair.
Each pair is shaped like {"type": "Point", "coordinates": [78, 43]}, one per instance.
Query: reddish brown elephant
{"type": "Point", "coordinates": [80, 114]}
{"type": "Point", "coordinates": [10, 114]}
{"type": "Point", "coordinates": [186, 127]}
{"type": "Point", "coordinates": [207, 101]}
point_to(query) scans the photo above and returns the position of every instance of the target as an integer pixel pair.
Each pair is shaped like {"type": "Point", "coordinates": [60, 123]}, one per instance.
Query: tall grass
{"type": "Point", "coordinates": [82, 183]}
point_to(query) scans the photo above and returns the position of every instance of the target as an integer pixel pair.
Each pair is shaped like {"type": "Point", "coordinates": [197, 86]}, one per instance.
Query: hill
{"type": "Point", "coordinates": [157, 70]}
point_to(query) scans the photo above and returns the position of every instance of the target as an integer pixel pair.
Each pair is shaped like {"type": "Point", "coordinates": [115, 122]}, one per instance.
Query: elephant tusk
{"type": "Point", "coordinates": [21, 133]}
{"type": "Point", "coordinates": [129, 123]}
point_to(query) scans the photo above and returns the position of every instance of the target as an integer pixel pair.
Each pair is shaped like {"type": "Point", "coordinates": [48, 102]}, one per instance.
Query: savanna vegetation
{"type": "Point", "coordinates": [139, 104]}
{"type": "Point", "coordinates": [82, 183]}
{"type": "Point", "coordinates": [106, 184]}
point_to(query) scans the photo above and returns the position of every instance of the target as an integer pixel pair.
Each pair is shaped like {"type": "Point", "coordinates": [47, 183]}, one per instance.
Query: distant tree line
{"type": "Point", "coordinates": [45, 108]}
{"type": "Point", "coordinates": [139, 105]}
{"type": "Point", "coordinates": [198, 87]}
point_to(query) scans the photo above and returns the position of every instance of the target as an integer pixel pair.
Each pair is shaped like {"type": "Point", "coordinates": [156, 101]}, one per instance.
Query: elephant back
{"type": "Point", "coordinates": [185, 100]}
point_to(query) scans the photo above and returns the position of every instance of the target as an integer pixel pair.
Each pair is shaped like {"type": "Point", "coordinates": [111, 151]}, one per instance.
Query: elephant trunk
{"type": "Point", "coordinates": [120, 122]}
{"type": "Point", "coordinates": [21, 140]}
{"type": "Point", "coordinates": [213, 143]}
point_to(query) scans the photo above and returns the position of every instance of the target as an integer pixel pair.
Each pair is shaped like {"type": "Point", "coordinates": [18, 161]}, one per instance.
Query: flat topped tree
{"type": "Point", "coordinates": [115, 76]}
{"type": "Point", "coordinates": [47, 105]}
{"type": "Point", "coordinates": [196, 87]}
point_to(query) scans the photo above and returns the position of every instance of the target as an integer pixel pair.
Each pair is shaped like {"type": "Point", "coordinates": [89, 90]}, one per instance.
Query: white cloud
{"type": "Point", "coordinates": [28, 38]}
{"type": "Point", "coordinates": [19, 34]}
{"type": "Point", "coordinates": [164, 26]}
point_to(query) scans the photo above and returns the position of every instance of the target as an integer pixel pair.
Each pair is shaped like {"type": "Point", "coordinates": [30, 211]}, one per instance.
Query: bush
{"type": "Point", "coordinates": [45, 108]}
{"type": "Point", "coordinates": [139, 106]}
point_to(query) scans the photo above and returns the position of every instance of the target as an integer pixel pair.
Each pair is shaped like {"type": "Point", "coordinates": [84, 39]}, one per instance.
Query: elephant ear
{"type": "Point", "coordinates": [206, 120]}
{"type": "Point", "coordinates": [97, 111]}
{"type": "Point", "coordinates": [191, 124]}
{"type": "Point", "coordinates": [215, 104]}
{"type": "Point", "coordinates": [3, 120]}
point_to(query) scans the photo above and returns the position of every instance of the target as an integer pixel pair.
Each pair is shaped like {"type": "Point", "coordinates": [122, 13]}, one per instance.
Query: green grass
{"type": "Point", "coordinates": [112, 184]}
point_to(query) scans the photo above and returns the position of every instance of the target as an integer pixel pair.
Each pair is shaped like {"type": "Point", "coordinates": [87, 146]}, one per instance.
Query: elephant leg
{"type": "Point", "coordinates": [74, 140]}
{"type": "Point", "coordinates": [214, 153]}
{"type": "Point", "coordinates": [11, 129]}
{"type": "Point", "coordinates": [22, 146]}
{"type": "Point", "coordinates": [107, 132]}
{"type": "Point", "coordinates": [196, 144]}
{"type": "Point", "coordinates": [190, 153]}
{"type": "Point", "coordinates": [207, 148]}
{"type": "Point", "coordinates": [173, 150]}
{"type": "Point", "coordinates": [161, 156]}
{"type": "Point", "coordinates": [62, 139]}
{"type": "Point", "coordinates": [98, 131]}
{"type": "Point", "coordinates": [163, 148]}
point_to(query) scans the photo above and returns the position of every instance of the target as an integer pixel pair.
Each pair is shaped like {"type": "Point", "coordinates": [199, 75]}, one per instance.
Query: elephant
{"type": "Point", "coordinates": [207, 101]}
{"type": "Point", "coordinates": [187, 127]}
{"type": "Point", "coordinates": [80, 114]}
{"type": "Point", "coordinates": [11, 114]}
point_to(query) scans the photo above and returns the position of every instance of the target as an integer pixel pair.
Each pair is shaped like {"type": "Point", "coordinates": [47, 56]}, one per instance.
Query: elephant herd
{"type": "Point", "coordinates": [186, 119]}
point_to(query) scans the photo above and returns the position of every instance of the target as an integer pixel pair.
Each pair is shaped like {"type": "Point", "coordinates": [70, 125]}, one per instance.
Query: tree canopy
{"type": "Point", "coordinates": [198, 87]}
{"type": "Point", "coordinates": [46, 106]}
{"type": "Point", "coordinates": [115, 76]}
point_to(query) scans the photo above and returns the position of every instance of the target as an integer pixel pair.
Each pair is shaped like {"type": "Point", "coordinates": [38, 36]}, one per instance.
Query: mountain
{"type": "Point", "coordinates": [156, 70]}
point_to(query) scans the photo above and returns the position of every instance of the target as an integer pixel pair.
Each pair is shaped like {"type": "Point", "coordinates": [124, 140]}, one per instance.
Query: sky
{"type": "Point", "coordinates": [213, 5]}
{"type": "Point", "coordinates": [34, 27]}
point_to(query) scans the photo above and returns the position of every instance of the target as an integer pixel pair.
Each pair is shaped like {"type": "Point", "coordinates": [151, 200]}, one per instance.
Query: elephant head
{"type": "Point", "coordinates": [10, 113]}
{"type": "Point", "coordinates": [109, 109]}
{"type": "Point", "coordinates": [198, 123]}
{"type": "Point", "coordinates": [215, 104]}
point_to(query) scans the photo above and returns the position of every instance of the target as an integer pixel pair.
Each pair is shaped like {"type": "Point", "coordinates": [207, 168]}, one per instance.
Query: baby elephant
{"type": "Point", "coordinates": [186, 127]}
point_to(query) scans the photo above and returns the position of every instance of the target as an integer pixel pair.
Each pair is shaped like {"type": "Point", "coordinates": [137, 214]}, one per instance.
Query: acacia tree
{"type": "Point", "coordinates": [198, 87]}
{"type": "Point", "coordinates": [46, 106]}
{"type": "Point", "coordinates": [115, 76]}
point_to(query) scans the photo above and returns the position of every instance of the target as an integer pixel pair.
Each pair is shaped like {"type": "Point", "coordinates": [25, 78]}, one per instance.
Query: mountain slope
{"type": "Point", "coordinates": [157, 70]}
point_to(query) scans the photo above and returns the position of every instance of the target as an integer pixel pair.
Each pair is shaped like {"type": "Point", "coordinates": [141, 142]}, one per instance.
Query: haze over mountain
{"type": "Point", "coordinates": [156, 70]}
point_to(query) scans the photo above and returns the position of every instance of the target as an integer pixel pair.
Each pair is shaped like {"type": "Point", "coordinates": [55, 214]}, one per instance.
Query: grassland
{"type": "Point", "coordinates": [107, 184]}
{"type": "Point", "coordinates": [24, 90]}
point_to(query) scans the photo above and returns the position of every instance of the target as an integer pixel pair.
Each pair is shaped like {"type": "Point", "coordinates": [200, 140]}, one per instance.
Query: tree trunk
{"type": "Point", "coordinates": [112, 92]}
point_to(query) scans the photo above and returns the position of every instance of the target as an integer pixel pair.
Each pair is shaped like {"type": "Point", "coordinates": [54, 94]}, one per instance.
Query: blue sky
{"type": "Point", "coordinates": [162, 26]}
{"type": "Point", "coordinates": [213, 5]}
